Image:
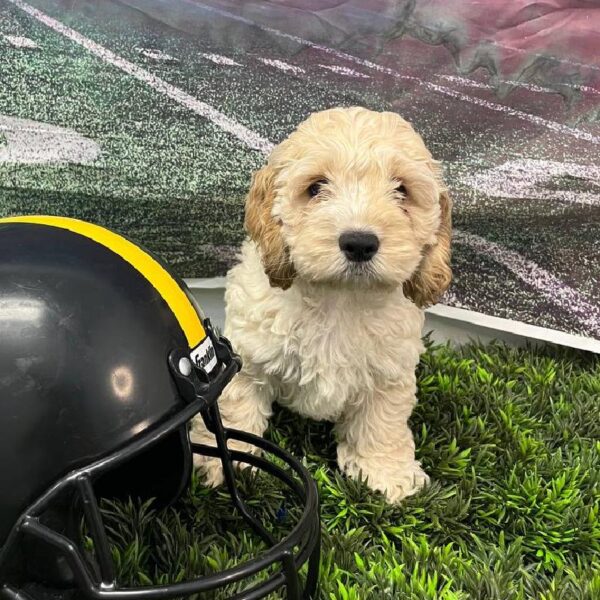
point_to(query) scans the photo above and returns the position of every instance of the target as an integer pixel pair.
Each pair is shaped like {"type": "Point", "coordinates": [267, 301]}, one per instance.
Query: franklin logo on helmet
{"type": "Point", "coordinates": [204, 356]}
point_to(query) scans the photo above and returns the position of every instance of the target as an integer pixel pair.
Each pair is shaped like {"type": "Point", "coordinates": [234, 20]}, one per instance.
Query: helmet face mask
{"type": "Point", "coordinates": [39, 548]}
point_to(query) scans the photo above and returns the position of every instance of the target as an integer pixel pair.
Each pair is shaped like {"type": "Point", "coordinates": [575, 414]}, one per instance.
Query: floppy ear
{"type": "Point", "coordinates": [266, 231]}
{"type": "Point", "coordinates": [433, 275]}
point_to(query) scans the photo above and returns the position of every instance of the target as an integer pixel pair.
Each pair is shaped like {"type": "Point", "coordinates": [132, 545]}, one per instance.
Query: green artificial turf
{"type": "Point", "coordinates": [511, 439]}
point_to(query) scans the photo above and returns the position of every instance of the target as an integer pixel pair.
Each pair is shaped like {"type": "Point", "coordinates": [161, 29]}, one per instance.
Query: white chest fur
{"type": "Point", "coordinates": [320, 348]}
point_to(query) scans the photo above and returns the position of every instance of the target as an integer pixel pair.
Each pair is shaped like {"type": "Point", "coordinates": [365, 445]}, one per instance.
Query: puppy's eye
{"type": "Point", "coordinates": [315, 187]}
{"type": "Point", "coordinates": [401, 190]}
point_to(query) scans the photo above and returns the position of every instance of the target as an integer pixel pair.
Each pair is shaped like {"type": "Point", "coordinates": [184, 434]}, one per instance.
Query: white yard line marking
{"type": "Point", "coordinates": [564, 296]}
{"type": "Point", "coordinates": [156, 54]}
{"type": "Point", "coordinates": [528, 86]}
{"type": "Point", "coordinates": [220, 60]}
{"type": "Point", "coordinates": [552, 125]}
{"type": "Point", "coordinates": [19, 41]}
{"type": "Point", "coordinates": [282, 66]}
{"type": "Point", "coordinates": [466, 82]}
{"type": "Point", "coordinates": [31, 142]}
{"type": "Point", "coordinates": [344, 71]}
{"type": "Point", "coordinates": [247, 136]}
{"type": "Point", "coordinates": [525, 178]}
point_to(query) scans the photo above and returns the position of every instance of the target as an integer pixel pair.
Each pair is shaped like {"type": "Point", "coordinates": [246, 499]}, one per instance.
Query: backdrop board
{"type": "Point", "coordinates": [149, 116]}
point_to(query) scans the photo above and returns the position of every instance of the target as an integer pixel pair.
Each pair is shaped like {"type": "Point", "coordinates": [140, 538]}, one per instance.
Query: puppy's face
{"type": "Point", "coordinates": [353, 198]}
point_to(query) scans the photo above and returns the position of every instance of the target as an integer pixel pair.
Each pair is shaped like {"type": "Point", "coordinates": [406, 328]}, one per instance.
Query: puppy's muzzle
{"type": "Point", "coordinates": [359, 246]}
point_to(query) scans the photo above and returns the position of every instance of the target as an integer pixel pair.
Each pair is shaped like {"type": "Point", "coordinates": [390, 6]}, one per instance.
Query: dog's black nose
{"type": "Point", "coordinates": [359, 246]}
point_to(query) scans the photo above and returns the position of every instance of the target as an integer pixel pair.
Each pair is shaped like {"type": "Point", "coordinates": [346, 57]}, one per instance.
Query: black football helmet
{"type": "Point", "coordinates": [104, 359]}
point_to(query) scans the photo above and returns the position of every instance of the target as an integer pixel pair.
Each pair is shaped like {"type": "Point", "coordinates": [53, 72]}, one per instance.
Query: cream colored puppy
{"type": "Point", "coordinates": [349, 238]}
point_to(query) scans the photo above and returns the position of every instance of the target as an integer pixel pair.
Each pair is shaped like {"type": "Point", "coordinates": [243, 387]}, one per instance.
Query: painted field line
{"type": "Point", "coordinates": [559, 293]}
{"type": "Point", "coordinates": [31, 142]}
{"type": "Point", "coordinates": [519, 114]}
{"type": "Point", "coordinates": [528, 86]}
{"type": "Point", "coordinates": [344, 71]}
{"type": "Point", "coordinates": [19, 41]}
{"type": "Point", "coordinates": [220, 60]}
{"type": "Point", "coordinates": [486, 86]}
{"type": "Point", "coordinates": [530, 178]}
{"type": "Point", "coordinates": [247, 136]}
{"type": "Point", "coordinates": [155, 54]}
{"type": "Point", "coordinates": [282, 66]}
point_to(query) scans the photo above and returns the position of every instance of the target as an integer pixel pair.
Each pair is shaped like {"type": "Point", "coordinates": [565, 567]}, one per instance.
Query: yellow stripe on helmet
{"type": "Point", "coordinates": [157, 275]}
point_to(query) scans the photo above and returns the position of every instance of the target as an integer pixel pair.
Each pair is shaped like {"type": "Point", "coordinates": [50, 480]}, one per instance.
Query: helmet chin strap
{"type": "Point", "coordinates": [212, 419]}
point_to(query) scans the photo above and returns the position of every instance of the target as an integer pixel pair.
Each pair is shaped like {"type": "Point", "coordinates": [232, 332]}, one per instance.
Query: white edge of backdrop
{"type": "Point", "coordinates": [445, 323]}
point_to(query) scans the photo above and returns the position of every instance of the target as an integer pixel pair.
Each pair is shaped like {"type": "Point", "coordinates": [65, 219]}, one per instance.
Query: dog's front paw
{"type": "Point", "coordinates": [211, 469]}
{"type": "Point", "coordinates": [407, 481]}
{"type": "Point", "coordinates": [395, 477]}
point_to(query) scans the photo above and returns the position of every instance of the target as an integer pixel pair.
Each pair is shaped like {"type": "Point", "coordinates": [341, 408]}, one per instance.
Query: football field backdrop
{"type": "Point", "coordinates": [149, 116]}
